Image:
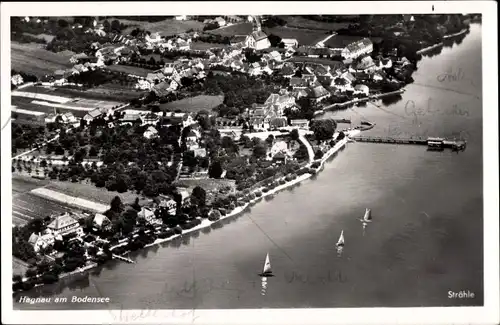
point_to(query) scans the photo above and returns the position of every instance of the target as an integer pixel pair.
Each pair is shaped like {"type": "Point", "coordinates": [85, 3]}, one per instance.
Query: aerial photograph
{"type": "Point", "coordinates": [246, 161]}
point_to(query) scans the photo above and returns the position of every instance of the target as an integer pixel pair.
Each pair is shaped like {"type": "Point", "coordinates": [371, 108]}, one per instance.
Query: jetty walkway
{"type": "Point", "coordinates": [437, 143]}
{"type": "Point", "coordinates": [128, 260]}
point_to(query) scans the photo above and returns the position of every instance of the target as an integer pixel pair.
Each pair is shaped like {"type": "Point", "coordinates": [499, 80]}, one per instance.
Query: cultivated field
{"type": "Point", "coordinates": [129, 70]}
{"type": "Point", "coordinates": [33, 58]}
{"type": "Point", "coordinates": [43, 99]}
{"type": "Point", "coordinates": [303, 36]}
{"type": "Point", "coordinates": [18, 266]}
{"type": "Point", "coordinates": [165, 27]}
{"type": "Point", "coordinates": [90, 192]}
{"type": "Point", "coordinates": [301, 22]}
{"type": "Point", "coordinates": [103, 92]}
{"type": "Point", "coordinates": [194, 104]}
{"type": "Point", "coordinates": [236, 29]}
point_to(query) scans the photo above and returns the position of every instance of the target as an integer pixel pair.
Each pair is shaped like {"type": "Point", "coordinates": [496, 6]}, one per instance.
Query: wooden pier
{"type": "Point", "coordinates": [128, 260]}
{"type": "Point", "coordinates": [434, 143]}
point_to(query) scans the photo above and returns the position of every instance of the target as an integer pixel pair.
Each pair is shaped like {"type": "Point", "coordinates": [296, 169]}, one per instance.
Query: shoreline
{"type": "Point", "coordinates": [236, 211]}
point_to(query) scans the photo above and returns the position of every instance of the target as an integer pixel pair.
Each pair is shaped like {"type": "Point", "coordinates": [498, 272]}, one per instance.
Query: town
{"type": "Point", "coordinates": [138, 137]}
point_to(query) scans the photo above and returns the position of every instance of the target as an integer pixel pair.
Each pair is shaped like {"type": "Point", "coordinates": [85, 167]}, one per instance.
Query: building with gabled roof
{"type": "Point", "coordinates": [64, 225]}
{"type": "Point", "coordinates": [318, 93]}
{"type": "Point", "coordinates": [258, 40]}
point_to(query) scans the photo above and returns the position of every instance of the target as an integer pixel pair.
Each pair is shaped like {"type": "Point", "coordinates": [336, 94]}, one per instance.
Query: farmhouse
{"type": "Point", "coordinates": [93, 114]}
{"type": "Point", "coordinates": [65, 225]}
{"type": "Point", "coordinates": [40, 241]}
{"type": "Point", "coordinates": [362, 89]}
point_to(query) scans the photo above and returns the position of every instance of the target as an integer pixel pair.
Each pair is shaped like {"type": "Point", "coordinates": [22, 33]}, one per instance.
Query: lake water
{"type": "Point", "coordinates": [426, 238]}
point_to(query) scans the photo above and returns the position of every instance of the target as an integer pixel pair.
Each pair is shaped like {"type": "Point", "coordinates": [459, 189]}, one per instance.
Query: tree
{"type": "Point", "coordinates": [115, 25]}
{"type": "Point", "coordinates": [116, 204]}
{"type": "Point", "coordinates": [107, 26]}
{"type": "Point", "coordinates": [259, 151]}
{"type": "Point", "coordinates": [215, 169]}
{"type": "Point", "coordinates": [323, 129]}
{"type": "Point", "coordinates": [294, 134]}
{"type": "Point", "coordinates": [198, 196]}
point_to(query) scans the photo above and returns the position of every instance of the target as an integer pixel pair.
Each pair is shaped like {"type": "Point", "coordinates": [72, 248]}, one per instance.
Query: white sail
{"type": "Point", "coordinates": [368, 215]}
{"type": "Point", "coordinates": [267, 265]}
{"type": "Point", "coordinates": [341, 239]}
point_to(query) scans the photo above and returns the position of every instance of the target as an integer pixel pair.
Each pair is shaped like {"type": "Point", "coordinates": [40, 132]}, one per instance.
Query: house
{"type": "Point", "coordinates": [362, 89]}
{"type": "Point", "coordinates": [290, 42]}
{"type": "Point", "coordinates": [287, 71]}
{"type": "Point", "coordinates": [278, 102]}
{"type": "Point", "coordinates": [155, 77]}
{"type": "Point", "coordinates": [318, 93]}
{"type": "Point", "coordinates": [220, 21]}
{"type": "Point", "coordinates": [148, 215]}
{"type": "Point", "coordinates": [299, 93]}
{"type": "Point", "coordinates": [41, 241]}
{"type": "Point", "coordinates": [78, 58]}
{"type": "Point", "coordinates": [357, 49]}
{"type": "Point", "coordinates": [192, 140]}
{"type": "Point", "coordinates": [16, 80]}
{"type": "Point", "coordinates": [93, 114]}
{"type": "Point", "coordinates": [168, 203]}
{"type": "Point", "coordinates": [300, 123]}
{"type": "Point", "coordinates": [151, 118]}
{"type": "Point", "coordinates": [68, 118]}
{"type": "Point", "coordinates": [65, 225]}
{"type": "Point", "coordinates": [200, 152]}
{"type": "Point", "coordinates": [366, 64]}
{"type": "Point", "coordinates": [278, 122]}
{"type": "Point", "coordinates": [59, 74]}
{"type": "Point", "coordinates": [101, 222]}
{"type": "Point", "coordinates": [131, 118]}
{"type": "Point", "coordinates": [341, 84]}
{"type": "Point", "coordinates": [150, 132]}
{"type": "Point", "coordinates": [280, 158]}
{"type": "Point", "coordinates": [181, 17]}
{"type": "Point", "coordinates": [258, 40]}
{"type": "Point", "coordinates": [187, 120]}
{"type": "Point", "coordinates": [145, 85]}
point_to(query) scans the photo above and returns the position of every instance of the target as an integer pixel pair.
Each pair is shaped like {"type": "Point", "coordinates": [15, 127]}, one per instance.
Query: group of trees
{"type": "Point", "coordinates": [240, 91]}
{"type": "Point", "coordinates": [323, 128]}
{"type": "Point", "coordinates": [25, 136]}
{"type": "Point", "coordinates": [213, 38]}
{"type": "Point", "coordinates": [94, 78]}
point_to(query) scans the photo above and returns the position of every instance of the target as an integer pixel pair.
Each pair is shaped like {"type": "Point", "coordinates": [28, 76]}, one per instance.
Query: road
{"type": "Point", "coordinates": [322, 42]}
{"type": "Point", "coordinates": [179, 168]}
{"type": "Point", "coordinates": [310, 151]}
{"type": "Point", "coordinates": [30, 151]}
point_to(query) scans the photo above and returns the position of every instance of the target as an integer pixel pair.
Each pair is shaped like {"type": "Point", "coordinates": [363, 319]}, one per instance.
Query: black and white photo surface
{"type": "Point", "coordinates": [220, 163]}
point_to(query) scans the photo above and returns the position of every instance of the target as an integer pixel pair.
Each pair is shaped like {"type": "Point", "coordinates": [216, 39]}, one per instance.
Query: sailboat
{"type": "Point", "coordinates": [340, 243]}
{"type": "Point", "coordinates": [267, 272]}
{"type": "Point", "coordinates": [367, 217]}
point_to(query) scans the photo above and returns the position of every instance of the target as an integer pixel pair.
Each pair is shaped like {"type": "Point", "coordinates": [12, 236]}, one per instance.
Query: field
{"type": "Point", "coordinates": [194, 104]}
{"type": "Point", "coordinates": [110, 92]}
{"type": "Point", "coordinates": [27, 205]}
{"type": "Point", "coordinates": [90, 192]}
{"type": "Point", "coordinates": [340, 41]}
{"type": "Point", "coordinates": [33, 58]}
{"type": "Point", "coordinates": [44, 99]}
{"type": "Point", "coordinates": [303, 36]}
{"type": "Point", "coordinates": [210, 185]}
{"type": "Point", "coordinates": [236, 29]}
{"type": "Point", "coordinates": [129, 70]}
{"type": "Point", "coordinates": [202, 46]}
{"type": "Point", "coordinates": [301, 22]}
{"type": "Point", "coordinates": [165, 27]}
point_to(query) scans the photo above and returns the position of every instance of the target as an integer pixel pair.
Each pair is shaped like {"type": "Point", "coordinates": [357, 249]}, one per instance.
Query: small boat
{"type": "Point", "coordinates": [340, 243]}
{"type": "Point", "coordinates": [367, 217]}
{"type": "Point", "coordinates": [267, 272]}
